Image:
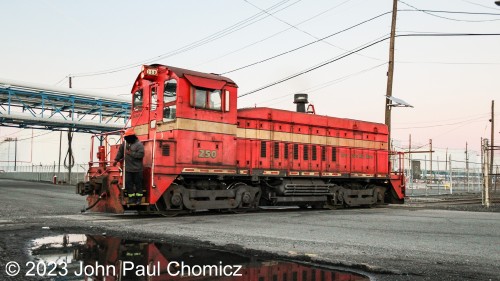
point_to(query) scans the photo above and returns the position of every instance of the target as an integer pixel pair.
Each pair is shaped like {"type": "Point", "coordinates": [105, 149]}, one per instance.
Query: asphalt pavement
{"type": "Point", "coordinates": [390, 243]}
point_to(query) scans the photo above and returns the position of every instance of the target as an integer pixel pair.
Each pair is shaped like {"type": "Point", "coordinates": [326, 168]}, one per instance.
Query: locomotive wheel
{"type": "Point", "coordinates": [246, 202]}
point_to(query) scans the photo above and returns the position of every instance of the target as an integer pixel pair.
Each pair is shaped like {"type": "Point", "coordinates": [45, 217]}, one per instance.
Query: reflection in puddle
{"type": "Point", "coordinates": [94, 257]}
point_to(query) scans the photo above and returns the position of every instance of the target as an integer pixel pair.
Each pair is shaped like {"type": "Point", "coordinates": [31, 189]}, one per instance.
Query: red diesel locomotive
{"type": "Point", "coordinates": [201, 152]}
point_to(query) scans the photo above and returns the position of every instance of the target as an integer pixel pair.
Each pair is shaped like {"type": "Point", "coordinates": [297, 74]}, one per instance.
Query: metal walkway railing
{"type": "Point", "coordinates": [29, 105]}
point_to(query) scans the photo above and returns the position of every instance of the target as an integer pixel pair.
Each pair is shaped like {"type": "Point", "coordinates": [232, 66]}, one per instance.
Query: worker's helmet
{"type": "Point", "coordinates": [129, 132]}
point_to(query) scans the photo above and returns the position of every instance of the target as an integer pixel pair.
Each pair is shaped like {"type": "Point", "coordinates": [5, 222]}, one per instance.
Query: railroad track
{"type": "Point", "coordinates": [451, 201]}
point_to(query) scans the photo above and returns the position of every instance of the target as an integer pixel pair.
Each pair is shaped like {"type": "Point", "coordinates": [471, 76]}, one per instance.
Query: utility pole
{"type": "Point", "coordinates": [15, 154]}
{"type": "Point", "coordinates": [430, 144]}
{"type": "Point", "coordinates": [390, 72]}
{"type": "Point", "coordinates": [467, 166]}
{"type": "Point", "coordinates": [492, 144]}
{"type": "Point", "coordinates": [496, 179]}
{"type": "Point", "coordinates": [445, 164]}
{"type": "Point", "coordinates": [410, 167]}
{"type": "Point", "coordinates": [69, 137]}
{"type": "Point", "coordinates": [59, 167]}
{"type": "Point", "coordinates": [451, 178]}
{"type": "Point", "coordinates": [486, 181]}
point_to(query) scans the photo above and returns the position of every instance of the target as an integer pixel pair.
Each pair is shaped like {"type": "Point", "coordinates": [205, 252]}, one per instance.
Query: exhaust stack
{"type": "Point", "coordinates": [300, 100]}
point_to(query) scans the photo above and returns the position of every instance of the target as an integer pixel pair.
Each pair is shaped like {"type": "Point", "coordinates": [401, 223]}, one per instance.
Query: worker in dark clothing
{"type": "Point", "coordinates": [132, 151]}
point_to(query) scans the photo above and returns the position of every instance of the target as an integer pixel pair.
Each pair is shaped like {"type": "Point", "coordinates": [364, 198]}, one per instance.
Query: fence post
{"type": "Point", "coordinates": [451, 178]}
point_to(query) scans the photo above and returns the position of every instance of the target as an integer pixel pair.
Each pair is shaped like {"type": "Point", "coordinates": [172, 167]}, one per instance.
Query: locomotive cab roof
{"type": "Point", "coordinates": [191, 75]}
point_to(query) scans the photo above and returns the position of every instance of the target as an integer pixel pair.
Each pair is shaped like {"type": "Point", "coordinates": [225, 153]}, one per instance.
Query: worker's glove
{"type": "Point", "coordinates": [114, 163]}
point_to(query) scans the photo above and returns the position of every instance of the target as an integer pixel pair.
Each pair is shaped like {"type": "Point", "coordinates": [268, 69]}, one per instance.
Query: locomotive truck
{"type": "Point", "coordinates": [203, 153]}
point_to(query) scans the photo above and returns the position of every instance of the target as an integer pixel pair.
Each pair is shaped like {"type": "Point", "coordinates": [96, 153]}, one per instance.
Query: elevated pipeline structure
{"type": "Point", "coordinates": [38, 106]}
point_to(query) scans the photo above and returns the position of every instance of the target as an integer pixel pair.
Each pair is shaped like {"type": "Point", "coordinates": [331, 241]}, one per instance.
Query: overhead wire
{"type": "Point", "coordinates": [35, 136]}
{"type": "Point", "coordinates": [302, 72]}
{"type": "Point", "coordinates": [60, 81]}
{"type": "Point", "coordinates": [480, 5]}
{"type": "Point", "coordinates": [432, 13]}
{"type": "Point", "coordinates": [325, 84]}
{"type": "Point", "coordinates": [453, 129]}
{"type": "Point", "coordinates": [275, 34]}
{"type": "Point", "coordinates": [269, 12]}
{"type": "Point", "coordinates": [443, 120]}
{"type": "Point", "coordinates": [358, 49]}
{"type": "Point", "coordinates": [304, 31]}
{"type": "Point", "coordinates": [441, 125]}
{"type": "Point", "coordinates": [305, 45]}
{"type": "Point", "coordinates": [321, 39]}
{"type": "Point", "coordinates": [217, 35]}
{"type": "Point", "coordinates": [109, 87]}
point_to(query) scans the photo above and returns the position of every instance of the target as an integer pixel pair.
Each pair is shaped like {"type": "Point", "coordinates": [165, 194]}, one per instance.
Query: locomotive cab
{"type": "Point", "coordinates": [183, 118]}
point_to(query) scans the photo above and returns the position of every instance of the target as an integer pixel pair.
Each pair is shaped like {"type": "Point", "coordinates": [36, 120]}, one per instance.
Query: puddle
{"type": "Point", "coordinates": [95, 257]}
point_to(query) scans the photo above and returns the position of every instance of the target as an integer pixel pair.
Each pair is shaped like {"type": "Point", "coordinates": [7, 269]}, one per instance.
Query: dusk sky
{"type": "Point", "coordinates": [450, 81]}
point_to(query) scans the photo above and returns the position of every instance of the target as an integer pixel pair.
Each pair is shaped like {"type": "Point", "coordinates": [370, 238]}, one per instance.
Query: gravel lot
{"type": "Point", "coordinates": [390, 243]}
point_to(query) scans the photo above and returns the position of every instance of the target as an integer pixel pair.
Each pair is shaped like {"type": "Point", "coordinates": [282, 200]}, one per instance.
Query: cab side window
{"type": "Point", "coordinates": [200, 97]}
{"type": "Point", "coordinates": [169, 96]}
{"type": "Point", "coordinates": [206, 99]}
{"type": "Point", "coordinates": [138, 100]}
{"type": "Point", "coordinates": [154, 98]}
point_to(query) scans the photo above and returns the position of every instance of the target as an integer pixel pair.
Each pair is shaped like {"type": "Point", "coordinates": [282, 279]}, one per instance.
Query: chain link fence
{"type": "Point", "coordinates": [426, 177]}
{"type": "Point", "coordinates": [45, 173]}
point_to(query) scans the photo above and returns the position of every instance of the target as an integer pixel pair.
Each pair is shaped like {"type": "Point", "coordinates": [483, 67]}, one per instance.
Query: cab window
{"type": "Point", "coordinates": [169, 113]}
{"type": "Point", "coordinates": [154, 98]}
{"type": "Point", "coordinates": [138, 100]}
{"type": "Point", "coordinates": [169, 96]}
{"type": "Point", "coordinates": [206, 99]}
{"type": "Point", "coordinates": [170, 91]}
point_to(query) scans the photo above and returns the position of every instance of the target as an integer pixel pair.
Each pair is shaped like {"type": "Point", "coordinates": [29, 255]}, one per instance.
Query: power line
{"type": "Point", "coordinates": [431, 13]}
{"type": "Point", "coordinates": [449, 63]}
{"type": "Point", "coordinates": [60, 81]}
{"type": "Point", "coordinates": [255, 19]}
{"type": "Point", "coordinates": [461, 12]}
{"type": "Point", "coordinates": [303, 31]}
{"type": "Point", "coordinates": [315, 67]}
{"type": "Point", "coordinates": [217, 35]}
{"type": "Point", "coordinates": [331, 82]}
{"type": "Point", "coordinates": [447, 34]}
{"type": "Point", "coordinates": [368, 45]}
{"type": "Point", "coordinates": [451, 119]}
{"type": "Point", "coordinates": [275, 34]}
{"type": "Point", "coordinates": [477, 4]}
{"type": "Point", "coordinates": [443, 125]}
{"type": "Point", "coordinates": [109, 87]}
{"type": "Point", "coordinates": [448, 12]}
{"type": "Point", "coordinates": [308, 44]}
{"type": "Point", "coordinates": [327, 83]}
{"type": "Point", "coordinates": [326, 37]}
{"type": "Point", "coordinates": [28, 138]}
